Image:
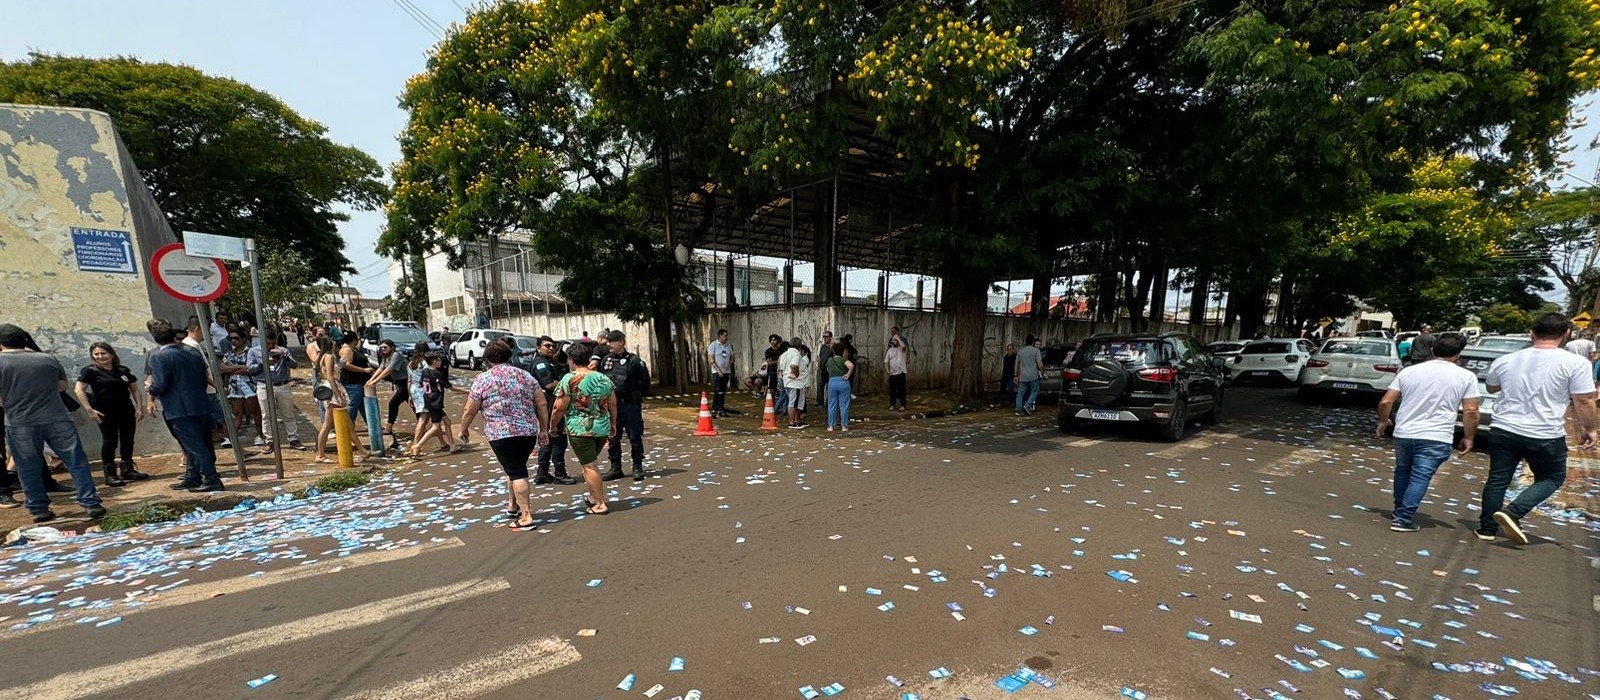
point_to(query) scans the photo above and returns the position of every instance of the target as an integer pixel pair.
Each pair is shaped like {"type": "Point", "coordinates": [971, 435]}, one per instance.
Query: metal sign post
{"type": "Point", "coordinates": [208, 349]}
{"type": "Point", "coordinates": [266, 358]}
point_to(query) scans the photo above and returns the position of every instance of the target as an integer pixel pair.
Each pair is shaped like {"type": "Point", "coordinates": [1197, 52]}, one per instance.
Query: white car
{"type": "Point", "coordinates": [1350, 366]}
{"type": "Point", "coordinates": [468, 347]}
{"type": "Point", "coordinates": [1271, 360]}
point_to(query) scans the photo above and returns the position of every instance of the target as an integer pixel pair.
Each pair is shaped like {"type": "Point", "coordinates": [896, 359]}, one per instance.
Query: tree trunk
{"type": "Point", "coordinates": [1285, 316]}
{"type": "Point", "coordinates": [666, 354]}
{"type": "Point", "coordinates": [1199, 299]}
{"type": "Point", "coordinates": [966, 302]}
{"type": "Point", "coordinates": [1158, 291]}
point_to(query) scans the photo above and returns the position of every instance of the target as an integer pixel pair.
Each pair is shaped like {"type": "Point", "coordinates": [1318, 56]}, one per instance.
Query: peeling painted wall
{"type": "Point", "coordinates": [63, 169]}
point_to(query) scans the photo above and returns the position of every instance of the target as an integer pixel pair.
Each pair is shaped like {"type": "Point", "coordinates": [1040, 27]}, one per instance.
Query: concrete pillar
{"type": "Point", "coordinates": [883, 290]}
{"type": "Point", "coordinates": [823, 227]}
{"type": "Point", "coordinates": [788, 284]}
{"type": "Point", "coordinates": [733, 292]}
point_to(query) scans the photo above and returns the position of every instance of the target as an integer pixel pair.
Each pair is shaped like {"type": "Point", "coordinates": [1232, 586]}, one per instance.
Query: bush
{"type": "Point", "coordinates": [152, 513]}
{"type": "Point", "coordinates": [342, 480]}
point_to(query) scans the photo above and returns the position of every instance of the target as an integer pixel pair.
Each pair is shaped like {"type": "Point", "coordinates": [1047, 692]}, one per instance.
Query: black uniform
{"type": "Point", "coordinates": [547, 371]}
{"type": "Point", "coordinates": [632, 380]}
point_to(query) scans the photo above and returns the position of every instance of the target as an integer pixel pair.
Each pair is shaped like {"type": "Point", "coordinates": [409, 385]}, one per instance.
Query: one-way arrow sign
{"type": "Point", "coordinates": [188, 278]}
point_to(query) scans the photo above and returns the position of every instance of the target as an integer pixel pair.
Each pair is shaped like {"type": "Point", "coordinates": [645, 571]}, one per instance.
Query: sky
{"type": "Point", "coordinates": [339, 62]}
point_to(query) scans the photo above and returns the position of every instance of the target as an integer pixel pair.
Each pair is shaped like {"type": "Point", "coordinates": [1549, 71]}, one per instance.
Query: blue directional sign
{"type": "Point", "coordinates": [104, 251]}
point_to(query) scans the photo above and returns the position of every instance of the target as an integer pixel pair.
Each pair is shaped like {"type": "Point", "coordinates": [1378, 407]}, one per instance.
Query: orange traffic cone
{"type": "Point", "coordinates": [706, 428]}
{"type": "Point", "coordinates": [769, 417]}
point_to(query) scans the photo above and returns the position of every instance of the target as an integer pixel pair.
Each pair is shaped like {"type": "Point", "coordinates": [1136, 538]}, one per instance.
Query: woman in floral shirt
{"type": "Point", "coordinates": [514, 420]}
{"type": "Point", "coordinates": [587, 402]}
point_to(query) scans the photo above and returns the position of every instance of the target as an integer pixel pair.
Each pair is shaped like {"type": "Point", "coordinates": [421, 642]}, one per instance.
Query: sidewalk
{"type": "Point", "coordinates": [684, 406]}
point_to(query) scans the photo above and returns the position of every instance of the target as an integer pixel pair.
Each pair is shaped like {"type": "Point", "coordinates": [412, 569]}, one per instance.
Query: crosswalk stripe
{"type": "Point", "coordinates": [482, 676]}
{"type": "Point", "coordinates": [197, 592]}
{"type": "Point", "coordinates": [103, 680]}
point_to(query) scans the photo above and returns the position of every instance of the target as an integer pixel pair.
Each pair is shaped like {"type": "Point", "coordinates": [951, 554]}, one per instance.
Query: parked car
{"type": "Point", "coordinates": [1159, 380]}
{"type": "Point", "coordinates": [468, 347]}
{"type": "Point", "coordinates": [1347, 366]}
{"type": "Point", "coordinates": [405, 335]}
{"type": "Point", "coordinates": [524, 350]}
{"type": "Point", "coordinates": [1226, 350]}
{"type": "Point", "coordinates": [1477, 358]}
{"type": "Point", "coordinates": [1055, 361]}
{"type": "Point", "coordinates": [1272, 360]}
{"type": "Point", "coordinates": [1384, 333]}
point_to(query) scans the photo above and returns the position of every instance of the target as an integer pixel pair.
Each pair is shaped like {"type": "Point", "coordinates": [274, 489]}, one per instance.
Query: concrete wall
{"type": "Point", "coordinates": [62, 169]}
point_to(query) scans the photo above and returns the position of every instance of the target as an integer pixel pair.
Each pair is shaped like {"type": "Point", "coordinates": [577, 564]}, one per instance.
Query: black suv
{"type": "Point", "coordinates": [1162, 380]}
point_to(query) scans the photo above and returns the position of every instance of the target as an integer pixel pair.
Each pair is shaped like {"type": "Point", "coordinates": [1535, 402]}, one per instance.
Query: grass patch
{"type": "Point", "coordinates": [342, 480]}
{"type": "Point", "coordinates": [152, 513]}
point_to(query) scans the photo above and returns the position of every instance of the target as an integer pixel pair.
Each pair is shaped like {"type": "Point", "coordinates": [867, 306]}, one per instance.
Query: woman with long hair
{"type": "Point", "coordinates": [392, 366]}
{"type": "Point", "coordinates": [515, 422]}
{"type": "Point", "coordinates": [325, 373]}
{"type": "Point", "coordinates": [839, 369]}
{"type": "Point", "coordinates": [111, 391]}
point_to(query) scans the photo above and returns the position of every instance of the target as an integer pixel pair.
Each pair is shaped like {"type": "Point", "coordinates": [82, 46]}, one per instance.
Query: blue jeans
{"type": "Point", "coordinates": [26, 444]}
{"type": "Point", "coordinates": [1415, 462]}
{"type": "Point", "coordinates": [1547, 458]}
{"type": "Point", "coordinates": [200, 455]}
{"type": "Point", "coordinates": [358, 401]}
{"type": "Point", "coordinates": [780, 400]}
{"type": "Point", "coordinates": [1027, 394]}
{"type": "Point", "coordinates": [838, 402]}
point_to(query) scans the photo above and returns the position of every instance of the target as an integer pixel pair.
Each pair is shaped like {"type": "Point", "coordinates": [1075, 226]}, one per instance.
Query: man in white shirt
{"type": "Point", "coordinates": [794, 374]}
{"type": "Point", "coordinates": [1535, 385]}
{"type": "Point", "coordinates": [1429, 394]}
{"type": "Point", "coordinates": [720, 353]}
{"type": "Point", "coordinates": [1581, 346]}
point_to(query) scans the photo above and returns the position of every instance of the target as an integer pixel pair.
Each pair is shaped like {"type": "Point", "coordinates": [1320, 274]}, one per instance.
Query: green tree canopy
{"type": "Point", "coordinates": [219, 156]}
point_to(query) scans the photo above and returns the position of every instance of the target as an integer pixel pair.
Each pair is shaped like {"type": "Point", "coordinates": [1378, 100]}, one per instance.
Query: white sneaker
{"type": "Point", "coordinates": [1512, 529]}
{"type": "Point", "coordinates": [259, 441]}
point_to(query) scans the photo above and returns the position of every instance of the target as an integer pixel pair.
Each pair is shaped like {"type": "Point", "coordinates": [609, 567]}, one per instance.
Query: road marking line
{"type": "Point", "coordinates": [197, 592]}
{"type": "Point", "coordinates": [105, 679]}
{"type": "Point", "coordinates": [482, 676]}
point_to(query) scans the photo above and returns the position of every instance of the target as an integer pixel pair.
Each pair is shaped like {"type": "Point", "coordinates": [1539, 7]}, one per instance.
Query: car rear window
{"type": "Point", "coordinates": [1120, 350]}
{"type": "Point", "coordinates": [1266, 349]}
{"type": "Point", "coordinates": [1056, 355]}
{"type": "Point", "coordinates": [1225, 347]}
{"type": "Point", "coordinates": [1504, 343]}
{"type": "Point", "coordinates": [1346, 347]}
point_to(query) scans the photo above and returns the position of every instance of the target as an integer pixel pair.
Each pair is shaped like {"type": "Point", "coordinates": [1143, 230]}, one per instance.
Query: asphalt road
{"type": "Point", "coordinates": [1255, 549]}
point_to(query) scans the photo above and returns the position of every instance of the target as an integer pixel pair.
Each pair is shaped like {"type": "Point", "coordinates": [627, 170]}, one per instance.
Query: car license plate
{"type": "Point", "coordinates": [1344, 385]}
{"type": "Point", "coordinates": [1260, 373]}
{"type": "Point", "coordinates": [1105, 415]}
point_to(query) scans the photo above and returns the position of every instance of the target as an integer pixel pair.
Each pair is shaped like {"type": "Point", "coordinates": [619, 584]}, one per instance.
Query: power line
{"type": "Point", "coordinates": [424, 14]}
{"type": "Point", "coordinates": [404, 8]}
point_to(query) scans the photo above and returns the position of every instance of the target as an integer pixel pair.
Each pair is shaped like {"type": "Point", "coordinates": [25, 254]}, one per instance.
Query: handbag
{"type": "Point", "coordinates": [322, 392]}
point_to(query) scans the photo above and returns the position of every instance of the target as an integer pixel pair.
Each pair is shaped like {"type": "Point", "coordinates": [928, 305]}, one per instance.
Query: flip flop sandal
{"type": "Point", "coordinates": [530, 527]}
{"type": "Point", "coordinates": [591, 510]}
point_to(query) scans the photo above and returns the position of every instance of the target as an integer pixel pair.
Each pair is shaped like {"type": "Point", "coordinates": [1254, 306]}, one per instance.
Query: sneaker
{"type": "Point", "coordinates": [542, 479]}
{"type": "Point", "coordinates": [184, 485]}
{"type": "Point", "coordinates": [297, 444]}
{"type": "Point", "coordinates": [565, 480]}
{"type": "Point", "coordinates": [1513, 530]}
{"type": "Point", "coordinates": [227, 444]}
{"type": "Point", "coordinates": [206, 487]}
{"type": "Point", "coordinates": [1485, 534]}
{"type": "Point", "coordinates": [259, 442]}
{"type": "Point", "coordinates": [7, 500]}
{"type": "Point", "coordinates": [95, 511]}
{"type": "Point", "coordinates": [44, 516]}
{"type": "Point", "coordinates": [638, 474]}
{"type": "Point", "coordinates": [1401, 526]}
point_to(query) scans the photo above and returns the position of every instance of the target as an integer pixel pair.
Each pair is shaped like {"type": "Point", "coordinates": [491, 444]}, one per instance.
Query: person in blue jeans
{"type": "Point", "coordinates": [354, 371]}
{"type": "Point", "coordinates": [1536, 385]}
{"type": "Point", "coordinates": [1429, 393]}
{"type": "Point", "coordinates": [1030, 369]}
{"type": "Point", "coordinates": [30, 388]}
{"type": "Point", "coordinates": [178, 380]}
{"type": "Point", "coordinates": [839, 369]}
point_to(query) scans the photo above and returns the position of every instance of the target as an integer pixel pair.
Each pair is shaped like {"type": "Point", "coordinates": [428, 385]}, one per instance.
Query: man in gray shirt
{"type": "Point", "coordinates": [1030, 368]}
{"type": "Point", "coordinates": [30, 389]}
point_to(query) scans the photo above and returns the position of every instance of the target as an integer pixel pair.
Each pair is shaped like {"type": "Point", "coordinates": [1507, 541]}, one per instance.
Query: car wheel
{"type": "Point", "coordinates": [474, 362]}
{"type": "Point", "coordinates": [1066, 422]}
{"type": "Point", "coordinates": [1173, 430]}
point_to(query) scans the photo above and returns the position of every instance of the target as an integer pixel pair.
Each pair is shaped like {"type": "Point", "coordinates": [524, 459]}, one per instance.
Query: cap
{"type": "Point", "coordinates": [12, 336]}
{"type": "Point", "coordinates": [614, 336]}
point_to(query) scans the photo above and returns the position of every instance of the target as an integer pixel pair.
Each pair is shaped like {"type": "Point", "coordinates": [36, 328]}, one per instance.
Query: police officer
{"type": "Point", "coordinates": [547, 371]}
{"type": "Point", "coordinates": [631, 379]}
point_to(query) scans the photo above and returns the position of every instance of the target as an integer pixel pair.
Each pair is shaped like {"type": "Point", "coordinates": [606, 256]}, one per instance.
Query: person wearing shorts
{"type": "Point", "coordinates": [514, 420]}
{"type": "Point", "coordinates": [587, 403]}
{"type": "Point", "coordinates": [794, 371]}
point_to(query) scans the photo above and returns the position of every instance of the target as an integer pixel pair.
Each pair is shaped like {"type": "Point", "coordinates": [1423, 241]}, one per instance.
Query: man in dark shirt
{"type": "Point", "coordinates": [632, 380]}
{"type": "Point", "coordinates": [1422, 345]}
{"type": "Point", "coordinates": [30, 389]}
{"type": "Point", "coordinates": [178, 379]}
{"type": "Point", "coordinates": [547, 371]}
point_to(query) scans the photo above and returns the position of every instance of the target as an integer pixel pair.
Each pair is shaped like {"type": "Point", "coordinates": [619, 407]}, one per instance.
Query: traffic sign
{"type": "Point", "coordinates": [1583, 319]}
{"type": "Point", "coordinates": [206, 245]}
{"type": "Point", "coordinates": [188, 278]}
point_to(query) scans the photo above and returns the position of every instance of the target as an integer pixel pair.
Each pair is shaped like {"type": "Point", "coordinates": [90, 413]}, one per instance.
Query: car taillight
{"type": "Point", "coordinates": [1387, 368]}
{"type": "Point", "coordinates": [1158, 374]}
{"type": "Point", "coordinates": [1316, 363]}
{"type": "Point", "coordinates": [1291, 359]}
{"type": "Point", "coordinates": [1067, 374]}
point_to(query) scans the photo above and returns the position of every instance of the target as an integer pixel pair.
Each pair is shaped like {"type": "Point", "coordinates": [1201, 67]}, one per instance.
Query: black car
{"type": "Point", "coordinates": [1162, 380]}
{"type": "Point", "coordinates": [524, 351]}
